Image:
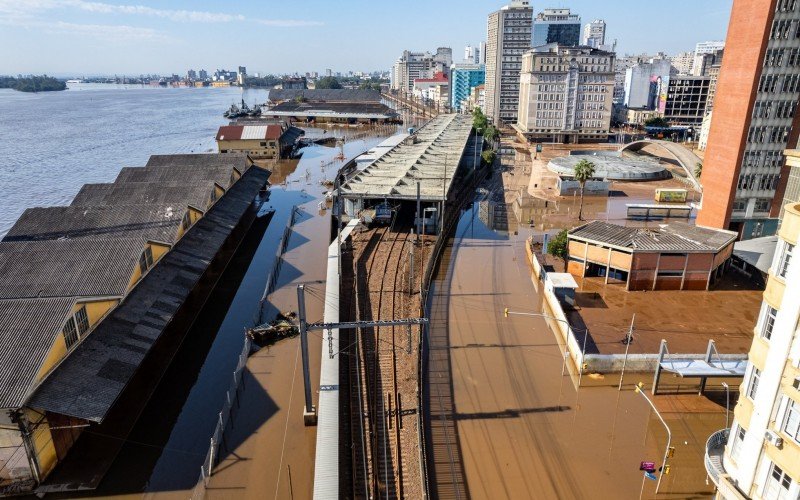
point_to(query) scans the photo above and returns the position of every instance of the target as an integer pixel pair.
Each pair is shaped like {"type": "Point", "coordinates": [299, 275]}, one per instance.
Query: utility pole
{"type": "Point", "coordinates": [628, 340]}
{"type": "Point", "coordinates": [664, 468]}
{"type": "Point", "coordinates": [309, 413]}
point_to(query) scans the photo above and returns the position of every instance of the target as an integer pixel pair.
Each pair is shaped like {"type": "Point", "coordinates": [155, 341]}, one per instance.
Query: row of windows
{"type": "Point", "coordinates": [785, 5]}
{"type": "Point", "coordinates": [771, 159]}
{"type": "Point", "coordinates": [763, 182]}
{"type": "Point", "coordinates": [763, 134]}
{"type": "Point", "coordinates": [774, 109]}
{"type": "Point", "coordinates": [779, 83]}
{"type": "Point", "coordinates": [550, 105]}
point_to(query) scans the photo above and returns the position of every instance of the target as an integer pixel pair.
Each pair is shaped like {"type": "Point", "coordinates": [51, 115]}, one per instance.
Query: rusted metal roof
{"type": "Point", "coordinates": [672, 237]}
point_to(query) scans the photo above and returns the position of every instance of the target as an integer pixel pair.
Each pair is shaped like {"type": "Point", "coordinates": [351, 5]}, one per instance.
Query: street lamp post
{"type": "Point", "coordinates": [727, 402]}
{"type": "Point", "coordinates": [638, 390]}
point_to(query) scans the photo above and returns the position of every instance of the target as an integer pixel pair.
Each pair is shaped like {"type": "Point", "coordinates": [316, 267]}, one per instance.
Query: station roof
{"type": "Point", "coordinates": [672, 237]}
{"type": "Point", "coordinates": [758, 252]}
{"type": "Point", "coordinates": [221, 174]}
{"type": "Point", "coordinates": [335, 109]}
{"type": "Point", "coordinates": [196, 194]}
{"type": "Point", "coordinates": [249, 132]}
{"type": "Point", "coordinates": [146, 222]}
{"type": "Point", "coordinates": [239, 160]}
{"type": "Point", "coordinates": [27, 330]}
{"type": "Point", "coordinates": [431, 160]}
{"type": "Point", "coordinates": [325, 95]}
{"type": "Point", "coordinates": [90, 380]}
{"type": "Point", "coordinates": [67, 268]}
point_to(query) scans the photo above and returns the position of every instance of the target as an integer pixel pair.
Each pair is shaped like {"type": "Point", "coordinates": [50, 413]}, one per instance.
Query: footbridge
{"type": "Point", "coordinates": [685, 158]}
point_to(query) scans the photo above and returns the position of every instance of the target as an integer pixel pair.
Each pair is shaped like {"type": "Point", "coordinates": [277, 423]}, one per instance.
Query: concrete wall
{"type": "Point", "coordinates": [568, 187]}
{"type": "Point", "coordinates": [257, 148]}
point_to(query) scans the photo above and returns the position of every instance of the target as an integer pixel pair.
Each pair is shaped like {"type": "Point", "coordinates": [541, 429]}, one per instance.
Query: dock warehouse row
{"type": "Point", "coordinates": [94, 297]}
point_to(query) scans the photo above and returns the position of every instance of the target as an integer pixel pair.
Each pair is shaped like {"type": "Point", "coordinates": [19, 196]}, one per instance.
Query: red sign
{"type": "Point", "coordinates": [647, 466]}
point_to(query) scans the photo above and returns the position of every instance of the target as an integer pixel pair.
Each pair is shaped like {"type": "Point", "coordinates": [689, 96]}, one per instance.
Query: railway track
{"type": "Point", "coordinates": [380, 294]}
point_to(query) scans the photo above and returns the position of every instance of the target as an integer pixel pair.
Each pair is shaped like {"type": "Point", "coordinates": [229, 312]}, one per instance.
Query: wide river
{"type": "Point", "coordinates": [51, 143]}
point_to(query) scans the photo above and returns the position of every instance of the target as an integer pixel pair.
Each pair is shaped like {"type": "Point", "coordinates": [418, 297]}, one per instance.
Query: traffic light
{"type": "Point", "coordinates": [638, 387]}
{"type": "Point", "coordinates": [671, 452]}
{"type": "Point", "coordinates": [505, 312]}
{"type": "Point", "coordinates": [666, 469]}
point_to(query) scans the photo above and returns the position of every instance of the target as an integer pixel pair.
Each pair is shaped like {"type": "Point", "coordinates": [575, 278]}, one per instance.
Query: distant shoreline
{"type": "Point", "coordinates": [33, 84]}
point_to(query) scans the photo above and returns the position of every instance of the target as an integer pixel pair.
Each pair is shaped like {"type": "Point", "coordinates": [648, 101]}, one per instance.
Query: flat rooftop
{"type": "Point", "coordinates": [325, 95]}
{"type": "Point", "coordinates": [332, 109]}
{"type": "Point", "coordinates": [431, 160]}
{"type": "Point", "coordinates": [672, 237]}
{"type": "Point", "coordinates": [686, 319]}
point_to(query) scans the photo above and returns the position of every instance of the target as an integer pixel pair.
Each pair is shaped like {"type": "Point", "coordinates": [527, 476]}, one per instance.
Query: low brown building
{"type": "Point", "coordinates": [270, 141]}
{"type": "Point", "coordinates": [675, 256]}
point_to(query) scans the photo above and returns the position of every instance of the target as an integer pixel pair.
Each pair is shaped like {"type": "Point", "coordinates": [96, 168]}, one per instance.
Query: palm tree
{"type": "Point", "coordinates": [584, 170]}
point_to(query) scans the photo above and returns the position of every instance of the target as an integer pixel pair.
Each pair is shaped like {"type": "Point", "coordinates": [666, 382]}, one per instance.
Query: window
{"type": "Point", "coordinates": [762, 205]}
{"type": "Point", "coordinates": [769, 323]}
{"type": "Point", "coordinates": [186, 221]}
{"type": "Point", "coordinates": [70, 332]}
{"type": "Point", "coordinates": [778, 483]}
{"type": "Point", "coordinates": [146, 260]}
{"type": "Point", "coordinates": [82, 320]}
{"type": "Point", "coordinates": [786, 257]}
{"type": "Point", "coordinates": [791, 423]}
{"type": "Point", "coordinates": [752, 386]}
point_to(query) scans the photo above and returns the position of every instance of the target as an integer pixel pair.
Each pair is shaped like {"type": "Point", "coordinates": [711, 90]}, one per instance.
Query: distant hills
{"type": "Point", "coordinates": [32, 83]}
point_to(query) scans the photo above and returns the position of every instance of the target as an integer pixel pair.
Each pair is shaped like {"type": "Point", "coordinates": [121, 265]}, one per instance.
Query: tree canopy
{"type": "Point", "coordinates": [32, 83]}
{"type": "Point", "coordinates": [656, 121]}
{"type": "Point", "coordinates": [583, 171]}
{"type": "Point", "coordinates": [557, 246]}
{"type": "Point", "coordinates": [328, 82]}
{"type": "Point", "coordinates": [479, 120]}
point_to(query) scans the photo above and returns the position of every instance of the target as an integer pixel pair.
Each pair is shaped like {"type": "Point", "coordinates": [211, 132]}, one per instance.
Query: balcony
{"type": "Point", "coordinates": [715, 449]}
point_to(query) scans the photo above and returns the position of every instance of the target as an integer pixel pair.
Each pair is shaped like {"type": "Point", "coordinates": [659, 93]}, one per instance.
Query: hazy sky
{"type": "Point", "coordinates": [143, 36]}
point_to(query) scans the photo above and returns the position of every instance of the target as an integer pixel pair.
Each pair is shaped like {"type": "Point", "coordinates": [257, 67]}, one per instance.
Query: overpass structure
{"type": "Point", "coordinates": [685, 158]}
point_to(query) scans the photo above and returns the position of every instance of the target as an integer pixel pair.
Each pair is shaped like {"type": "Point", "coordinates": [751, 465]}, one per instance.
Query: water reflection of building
{"type": "Point", "coordinates": [493, 212]}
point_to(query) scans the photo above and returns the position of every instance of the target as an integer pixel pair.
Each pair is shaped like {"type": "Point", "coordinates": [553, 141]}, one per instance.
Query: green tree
{"type": "Point", "coordinates": [557, 246]}
{"type": "Point", "coordinates": [584, 170]}
{"type": "Point", "coordinates": [328, 82]}
{"type": "Point", "coordinates": [490, 133]}
{"type": "Point", "coordinates": [479, 120]}
{"type": "Point", "coordinates": [656, 121]}
{"type": "Point", "coordinates": [488, 156]}
{"type": "Point", "coordinates": [698, 169]}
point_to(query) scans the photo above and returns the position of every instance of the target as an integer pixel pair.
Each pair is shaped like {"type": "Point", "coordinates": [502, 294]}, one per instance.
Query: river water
{"type": "Point", "coordinates": [51, 143]}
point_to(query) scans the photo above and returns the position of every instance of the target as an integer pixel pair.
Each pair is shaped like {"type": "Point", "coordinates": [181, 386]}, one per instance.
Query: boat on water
{"type": "Point", "coordinates": [74, 81]}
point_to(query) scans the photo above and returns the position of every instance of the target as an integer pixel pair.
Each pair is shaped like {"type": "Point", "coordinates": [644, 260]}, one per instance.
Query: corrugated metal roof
{"type": "Point", "coordinates": [179, 173]}
{"type": "Point", "coordinates": [254, 132]}
{"type": "Point", "coordinates": [249, 132]}
{"type": "Point", "coordinates": [67, 268]}
{"type": "Point", "coordinates": [325, 95]}
{"type": "Point", "coordinates": [145, 222]}
{"type": "Point", "coordinates": [28, 328]}
{"type": "Point", "coordinates": [88, 383]}
{"type": "Point", "coordinates": [196, 194]}
{"type": "Point", "coordinates": [672, 237]}
{"type": "Point", "coordinates": [239, 160]}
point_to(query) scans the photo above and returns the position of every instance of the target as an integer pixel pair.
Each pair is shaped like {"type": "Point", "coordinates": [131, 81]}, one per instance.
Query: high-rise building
{"type": "Point", "coordinates": [191, 74]}
{"type": "Point", "coordinates": [566, 94]}
{"type": "Point", "coordinates": [686, 100]}
{"type": "Point", "coordinates": [414, 65]}
{"type": "Point", "coordinates": [482, 53]}
{"type": "Point", "coordinates": [594, 33]}
{"type": "Point", "coordinates": [754, 118]}
{"type": "Point", "coordinates": [704, 55]}
{"type": "Point", "coordinates": [508, 37]}
{"type": "Point", "coordinates": [463, 78]}
{"type": "Point", "coordinates": [759, 456]}
{"type": "Point", "coordinates": [472, 55]}
{"type": "Point", "coordinates": [556, 26]}
{"type": "Point", "coordinates": [643, 82]}
{"type": "Point", "coordinates": [202, 74]}
{"type": "Point", "coordinates": [683, 62]}
{"type": "Point", "coordinates": [241, 75]}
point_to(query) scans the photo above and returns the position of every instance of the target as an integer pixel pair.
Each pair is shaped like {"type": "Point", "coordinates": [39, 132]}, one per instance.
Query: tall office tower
{"type": "Point", "coordinates": [701, 51]}
{"type": "Point", "coordinates": [643, 81]}
{"type": "Point", "coordinates": [556, 26]}
{"type": "Point", "coordinates": [463, 78]}
{"type": "Point", "coordinates": [759, 456]}
{"type": "Point", "coordinates": [566, 94]}
{"type": "Point", "coordinates": [482, 56]}
{"type": "Point", "coordinates": [754, 118]}
{"type": "Point", "coordinates": [508, 37]}
{"type": "Point", "coordinates": [594, 33]}
{"type": "Point", "coordinates": [444, 55]}
{"type": "Point", "coordinates": [413, 65]}
{"type": "Point", "coordinates": [469, 53]}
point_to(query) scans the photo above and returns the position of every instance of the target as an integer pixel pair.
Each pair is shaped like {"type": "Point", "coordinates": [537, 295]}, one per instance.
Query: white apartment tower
{"type": "Point", "coordinates": [594, 33]}
{"type": "Point", "coordinates": [759, 456]}
{"type": "Point", "coordinates": [509, 33]}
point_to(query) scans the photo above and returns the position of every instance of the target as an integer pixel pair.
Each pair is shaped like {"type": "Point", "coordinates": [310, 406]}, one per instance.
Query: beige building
{"type": "Point", "coordinates": [565, 94]}
{"type": "Point", "coordinates": [759, 456]}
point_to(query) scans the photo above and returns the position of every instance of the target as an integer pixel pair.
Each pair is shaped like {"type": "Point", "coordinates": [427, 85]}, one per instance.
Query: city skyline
{"type": "Point", "coordinates": [138, 37]}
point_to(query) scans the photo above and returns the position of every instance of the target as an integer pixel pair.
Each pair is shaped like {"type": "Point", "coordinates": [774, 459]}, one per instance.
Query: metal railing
{"type": "Point", "coordinates": [715, 449]}
{"type": "Point", "coordinates": [223, 418]}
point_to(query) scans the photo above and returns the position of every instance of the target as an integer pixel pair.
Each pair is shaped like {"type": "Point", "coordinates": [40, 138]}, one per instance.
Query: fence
{"type": "Point", "coordinates": [276, 265]}
{"type": "Point", "coordinates": [223, 418]}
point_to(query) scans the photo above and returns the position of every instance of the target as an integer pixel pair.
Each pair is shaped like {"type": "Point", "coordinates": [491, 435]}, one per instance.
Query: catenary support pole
{"type": "Point", "coordinates": [628, 340]}
{"type": "Point", "coordinates": [309, 412]}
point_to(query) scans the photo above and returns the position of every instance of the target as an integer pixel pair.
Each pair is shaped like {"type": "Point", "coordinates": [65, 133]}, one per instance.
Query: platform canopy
{"type": "Point", "coordinates": [701, 368]}
{"type": "Point", "coordinates": [432, 160]}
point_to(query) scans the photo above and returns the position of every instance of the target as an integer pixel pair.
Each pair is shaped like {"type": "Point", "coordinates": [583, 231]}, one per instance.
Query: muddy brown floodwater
{"type": "Point", "coordinates": [519, 426]}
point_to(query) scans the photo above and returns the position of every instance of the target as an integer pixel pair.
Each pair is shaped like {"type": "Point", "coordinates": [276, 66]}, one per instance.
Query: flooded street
{"type": "Point", "coordinates": [519, 428]}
